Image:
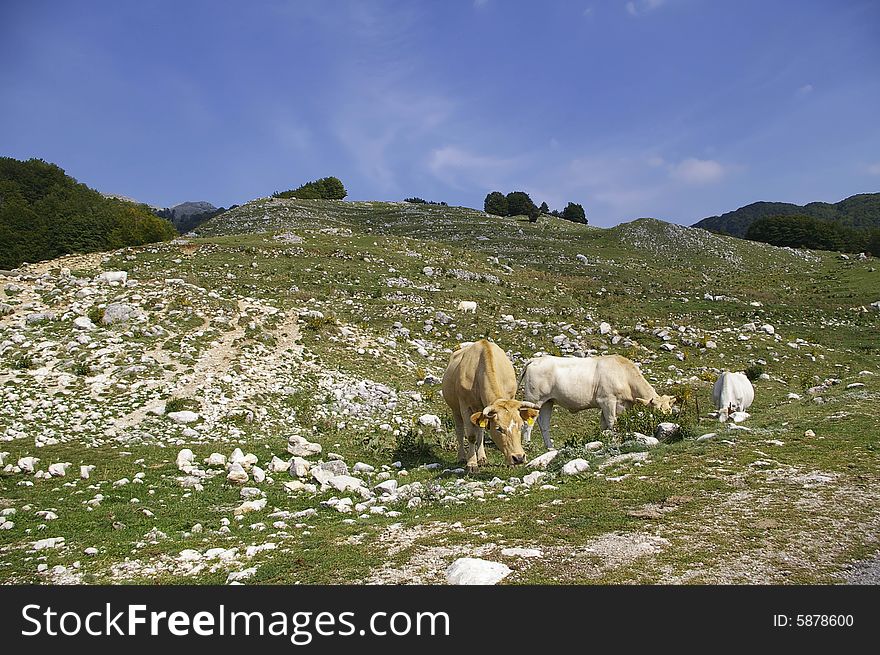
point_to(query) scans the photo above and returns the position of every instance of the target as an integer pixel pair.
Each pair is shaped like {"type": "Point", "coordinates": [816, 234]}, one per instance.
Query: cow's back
{"type": "Point", "coordinates": [568, 381]}
{"type": "Point", "coordinates": [578, 383]}
{"type": "Point", "coordinates": [478, 375]}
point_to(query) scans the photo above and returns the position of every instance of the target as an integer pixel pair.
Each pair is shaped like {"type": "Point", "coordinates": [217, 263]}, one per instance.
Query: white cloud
{"type": "Point", "coordinates": [805, 89]}
{"type": "Point", "coordinates": [642, 7]}
{"type": "Point", "coordinates": [588, 11]}
{"type": "Point", "coordinates": [874, 169]}
{"type": "Point", "coordinates": [377, 112]}
{"type": "Point", "coordinates": [480, 3]}
{"type": "Point", "coordinates": [460, 168]}
{"type": "Point", "coordinates": [697, 171]}
{"type": "Point", "coordinates": [378, 128]}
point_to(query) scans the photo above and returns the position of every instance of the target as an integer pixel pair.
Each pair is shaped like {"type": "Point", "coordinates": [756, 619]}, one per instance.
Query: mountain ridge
{"type": "Point", "coordinates": [861, 210]}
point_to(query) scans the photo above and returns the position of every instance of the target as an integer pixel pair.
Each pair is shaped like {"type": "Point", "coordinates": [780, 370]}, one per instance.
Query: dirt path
{"type": "Point", "coordinates": [90, 261]}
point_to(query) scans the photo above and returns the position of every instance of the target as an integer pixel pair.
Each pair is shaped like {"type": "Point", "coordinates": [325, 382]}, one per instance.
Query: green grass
{"type": "Point", "coordinates": [361, 265]}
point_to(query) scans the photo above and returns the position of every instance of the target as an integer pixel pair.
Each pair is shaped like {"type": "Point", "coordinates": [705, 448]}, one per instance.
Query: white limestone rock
{"type": "Point", "coordinates": [473, 571]}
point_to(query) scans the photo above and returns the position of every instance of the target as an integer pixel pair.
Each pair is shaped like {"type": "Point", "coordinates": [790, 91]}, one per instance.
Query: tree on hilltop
{"type": "Point", "coordinates": [520, 204]}
{"type": "Point", "coordinates": [496, 204]}
{"type": "Point", "coordinates": [574, 212]}
{"type": "Point", "coordinates": [327, 188]}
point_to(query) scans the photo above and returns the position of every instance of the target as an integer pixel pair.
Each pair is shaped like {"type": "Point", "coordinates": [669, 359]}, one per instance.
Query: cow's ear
{"type": "Point", "coordinates": [642, 401]}
{"type": "Point", "coordinates": [479, 419]}
{"type": "Point", "coordinates": [528, 414]}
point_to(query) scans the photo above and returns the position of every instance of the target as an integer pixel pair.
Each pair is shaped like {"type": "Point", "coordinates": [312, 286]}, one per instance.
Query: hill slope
{"type": "Point", "coordinates": [860, 211]}
{"type": "Point", "coordinates": [45, 213]}
{"type": "Point", "coordinates": [332, 322]}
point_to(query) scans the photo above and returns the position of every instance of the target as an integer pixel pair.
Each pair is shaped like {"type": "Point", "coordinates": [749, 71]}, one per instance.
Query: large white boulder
{"type": "Point", "coordinates": [542, 461]}
{"type": "Point", "coordinates": [473, 571]}
{"type": "Point", "coordinates": [576, 467]}
{"type": "Point", "coordinates": [185, 459]}
{"type": "Point", "coordinates": [237, 474]}
{"type": "Point", "coordinates": [184, 416]}
{"type": "Point", "coordinates": [302, 447]}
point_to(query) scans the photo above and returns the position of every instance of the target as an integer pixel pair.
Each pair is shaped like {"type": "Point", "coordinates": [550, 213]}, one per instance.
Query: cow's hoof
{"type": "Point", "coordinates": [482, 461]}
{"type": "Point", "coordinates": [472, 468]}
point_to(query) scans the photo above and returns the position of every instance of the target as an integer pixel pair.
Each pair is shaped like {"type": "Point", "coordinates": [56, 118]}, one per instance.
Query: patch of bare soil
{"type": "Point", "coordinates": [794, 522]}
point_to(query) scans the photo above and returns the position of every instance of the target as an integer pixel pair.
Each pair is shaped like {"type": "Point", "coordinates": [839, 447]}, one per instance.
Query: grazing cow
{"type": "Point", "coordinates": [612, 383]}
{"type": "Point", "coordinates": [467, 306]}
{"type": "Point", "coordinates": [479, 385]}
{"type": "Point", "coordinates": [113, 276]}
{"type": "Point", "coordinates": [733, 392]}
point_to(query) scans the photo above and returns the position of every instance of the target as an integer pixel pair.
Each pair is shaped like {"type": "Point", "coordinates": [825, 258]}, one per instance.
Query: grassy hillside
{"type": "Point", "coordinates": [858, 211]}
{"type": "Point", "coordinates": [333, 321]}
{"type": "Point", "coordinates": [45, 213]}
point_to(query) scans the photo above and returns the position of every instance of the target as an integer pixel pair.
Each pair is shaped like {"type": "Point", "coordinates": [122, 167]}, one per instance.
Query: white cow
{"type": "Point", "coordinates": [467, 306]}
{"type": "Point", "coordinates": [733, 392]}
{"type": "Point", "coordinates": [113, 276]}
{"type": "Point", "coordinates": [612, 383]}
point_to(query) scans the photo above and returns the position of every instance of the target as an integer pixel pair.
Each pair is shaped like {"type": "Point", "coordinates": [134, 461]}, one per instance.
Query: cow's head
{"type": "Point", "coordinates": [504, 419]}
{"type": "Point", "coordinates": [660, 403]}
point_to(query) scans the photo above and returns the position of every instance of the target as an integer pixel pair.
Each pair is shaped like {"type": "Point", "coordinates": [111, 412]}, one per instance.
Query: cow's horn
{"type": "Point", "coordinates": [529, 405]}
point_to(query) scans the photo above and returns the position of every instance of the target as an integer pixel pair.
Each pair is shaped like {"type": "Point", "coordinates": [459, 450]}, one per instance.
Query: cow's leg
{"type": "Point", "coordinates": [459, 434]}
{"type": "Point", "coordinates": [609, 413]}
{"type": "Point", "coordinates": [544, 415]}
{"type": "Point", "coordinates": [481, 451]}
{"type": "Point", "coordinates": [471, 462]}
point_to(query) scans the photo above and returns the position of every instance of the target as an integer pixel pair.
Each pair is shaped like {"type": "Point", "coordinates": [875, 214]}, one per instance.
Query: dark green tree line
{"type": "Point", "coordinates": [45, 213]}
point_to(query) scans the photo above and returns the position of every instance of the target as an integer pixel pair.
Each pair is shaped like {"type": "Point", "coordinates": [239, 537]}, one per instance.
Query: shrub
{"type": "Point", "coordinates": [754, 372]}
{"type": "Point", "coordinates": [82, 369]}
{"type": "Point", "coordinates": [641, 418]}
{"type": "Point", "coordinates": [646, 419]}
{"type": "Point", "coordinates": [23, 362]}
{"type": "Point", "coordinates": [411, 445]}
{"type": "Point", "coordinates": [96, 314]}
{"type": "Point", "coordinates": [177, 405]}
{"type": "Point", "coordinates": [327, 188]}
{"type": "Point", "coordinates": [318, 323]}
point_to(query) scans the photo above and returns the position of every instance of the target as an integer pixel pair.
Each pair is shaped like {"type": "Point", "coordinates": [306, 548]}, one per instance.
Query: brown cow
{"type": "Point", "coordinates": [479, 384]}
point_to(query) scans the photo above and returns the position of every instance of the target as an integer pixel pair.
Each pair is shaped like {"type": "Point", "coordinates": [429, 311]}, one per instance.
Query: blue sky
{"type": "Point", "coordinates": [678, 109]}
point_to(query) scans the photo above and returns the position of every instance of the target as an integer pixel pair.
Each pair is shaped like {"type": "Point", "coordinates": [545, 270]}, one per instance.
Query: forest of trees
{"type": "Point", "coordinates": [421, 201]}
{"type": "Point", "coordinates": [45, 213]}
{"type": "Point", "coordinates": [858, 211]}
{"type": "Point", "coordinates": [518, 203]}
{"type": "Point", "coordinates": [814, 233]}
{"type": "Point", "coordinates": [327, 188]}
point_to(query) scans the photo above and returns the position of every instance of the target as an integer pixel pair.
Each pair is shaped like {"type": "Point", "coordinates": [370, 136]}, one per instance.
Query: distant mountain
{"type": "Point", "coordinates": [187, 216]}
{"type": "Point", "coordinates": [45, 213]}
{"type": "Point", "coordinates": [192, 207]}
{"type": "Point", "coordinates": [859, 211]}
